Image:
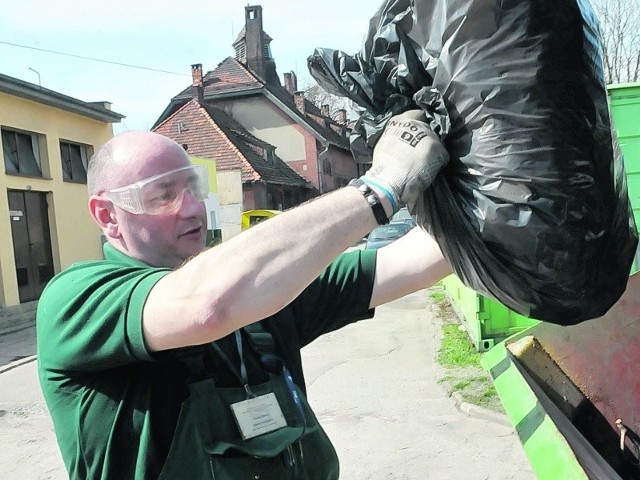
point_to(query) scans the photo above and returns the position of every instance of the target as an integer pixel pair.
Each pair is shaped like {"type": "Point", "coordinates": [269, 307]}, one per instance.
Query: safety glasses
{"type": "Point", "coordinates": [162, 193]}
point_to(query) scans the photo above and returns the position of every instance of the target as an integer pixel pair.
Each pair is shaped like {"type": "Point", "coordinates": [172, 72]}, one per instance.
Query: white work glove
{"type": "Point", "coordinates": [407, 157]}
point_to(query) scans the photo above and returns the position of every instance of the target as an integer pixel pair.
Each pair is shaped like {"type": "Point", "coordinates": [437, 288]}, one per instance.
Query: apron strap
{"type": "Point", "coordinates": [192, 359]}
{"type": "Point", "coordinates": [260, 340]}
{"type": "Point", "coordinates": [263, 344]}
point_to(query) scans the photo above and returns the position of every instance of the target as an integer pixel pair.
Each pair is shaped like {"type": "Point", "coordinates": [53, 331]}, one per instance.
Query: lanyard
{"type": "Point", "coordinates": [242, 376]}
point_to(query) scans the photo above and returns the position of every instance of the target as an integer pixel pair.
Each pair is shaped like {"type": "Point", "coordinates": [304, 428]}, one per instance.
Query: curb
{"type": "Point", "coordinates": [480, 412]}
{"type": "Point", "coordinates": [17, 363]}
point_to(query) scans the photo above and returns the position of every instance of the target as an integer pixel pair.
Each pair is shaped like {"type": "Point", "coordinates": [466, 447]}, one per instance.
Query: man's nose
{"type": "Point", "coordinates": [190, 204]}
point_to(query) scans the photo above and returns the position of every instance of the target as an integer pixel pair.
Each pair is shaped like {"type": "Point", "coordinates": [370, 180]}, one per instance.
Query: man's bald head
{"type": "Point", "coordinates": [129, 157]}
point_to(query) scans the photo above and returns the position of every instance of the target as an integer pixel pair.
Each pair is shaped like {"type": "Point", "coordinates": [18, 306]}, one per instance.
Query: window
{"type": "Point", "coordinates": [21, 153]}
{"type": "Point", "coordinates": [326, 166]}
{"type": "Point", "coordinates": [269, 156]}
{"type": "Point", "coordinates": [74, 161]}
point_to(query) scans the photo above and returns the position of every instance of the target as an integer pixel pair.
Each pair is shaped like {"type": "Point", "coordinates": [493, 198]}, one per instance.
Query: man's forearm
{"type": "Point", "coordinates": [254, 274]}
{"type": "Point", "coordinates": [411, 263]}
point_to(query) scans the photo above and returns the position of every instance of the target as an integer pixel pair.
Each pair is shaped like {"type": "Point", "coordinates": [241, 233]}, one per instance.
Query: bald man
{"type": "Point", "coordinates": [167, 360]}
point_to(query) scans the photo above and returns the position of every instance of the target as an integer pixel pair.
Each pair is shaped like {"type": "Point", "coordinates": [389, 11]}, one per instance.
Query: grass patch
{"type": "Point", "coordinates": [438, 296]}
{"type": "Point", "coordinates": [461, 361]}
{"type": "Point", "coordinates": [456, 349]}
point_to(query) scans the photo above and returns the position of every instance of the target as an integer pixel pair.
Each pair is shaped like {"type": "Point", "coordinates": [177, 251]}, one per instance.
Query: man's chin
{"type": "Point", "coordinates": [193, 247]}
{"type": "Point", "coordinates": [189, 254]}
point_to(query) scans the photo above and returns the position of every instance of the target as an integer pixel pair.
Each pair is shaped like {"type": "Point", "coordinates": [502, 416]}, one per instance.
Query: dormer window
{"type": "Point", "coordinates": [269, 156]}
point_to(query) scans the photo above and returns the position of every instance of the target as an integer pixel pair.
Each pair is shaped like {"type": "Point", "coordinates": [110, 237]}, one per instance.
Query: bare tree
{"type": "Point", "coordinates": [620, 24]}
{"type": "Point", "coordinates": [319, 97]}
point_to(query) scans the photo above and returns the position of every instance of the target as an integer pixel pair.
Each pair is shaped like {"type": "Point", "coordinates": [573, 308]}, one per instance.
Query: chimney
{"type": "Point", "coordinates": [291, 82]}
{"type": "Point", "coordinates": [197, 89]}
{"type": "Point", "coordinates": [324, 110]}
{"type": "Point", "coordinates": [298, 97]}
{"type": "Point", "coordinates": [254, 39]}
{"type": "Point", "coordinates": [342, 116]}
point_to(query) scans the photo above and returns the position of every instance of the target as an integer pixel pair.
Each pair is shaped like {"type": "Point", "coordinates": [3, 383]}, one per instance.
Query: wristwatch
{"type": "Point", "coordinates": [372, 200]}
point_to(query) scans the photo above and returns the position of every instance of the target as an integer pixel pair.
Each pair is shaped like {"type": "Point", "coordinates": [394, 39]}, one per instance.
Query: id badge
{"type": "Point", "coordinates": [258, 415]}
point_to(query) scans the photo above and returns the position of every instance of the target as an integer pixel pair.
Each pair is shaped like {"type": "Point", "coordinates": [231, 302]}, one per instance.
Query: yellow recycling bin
{"type": "Point", "coordinates": [251, 217]}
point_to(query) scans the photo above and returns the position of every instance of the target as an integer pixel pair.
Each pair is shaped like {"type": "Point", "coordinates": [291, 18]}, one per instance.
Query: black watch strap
{"type": "Point", "coordinates": [372, 200]}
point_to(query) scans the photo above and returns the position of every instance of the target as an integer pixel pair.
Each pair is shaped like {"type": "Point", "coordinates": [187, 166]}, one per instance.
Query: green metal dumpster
{"type": "Point", "coordinates": [624, 100]}
{"type": "Point", "coordinates": [487, 321]}
{"type": "Point", "coordinates": [573, 393]}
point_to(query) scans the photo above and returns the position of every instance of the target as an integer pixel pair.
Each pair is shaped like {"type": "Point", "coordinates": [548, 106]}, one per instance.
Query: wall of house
{"type": "Point", "coordinates": [343, 168]}
{"type": "Point", "coordinates": [285, 197]}
{"type": "Point", "coordinates": [294, 144]}
{"type": "Point", "coordinates": [74, 236]}
{"type": "Point", "coordinates": [231, 202]}
{"type": "Point", "coordinates": [212, 203]}
{"type": "Point", "coordinates": [308, 167]}
{"type": "Point", "coordinates": [255, 197]}
{"type": "Point", "coordinates": [264, 120]}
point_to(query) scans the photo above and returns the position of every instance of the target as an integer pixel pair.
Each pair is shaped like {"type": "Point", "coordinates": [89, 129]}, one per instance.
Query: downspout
{"type": "Point", "coordinates": [321, 156]}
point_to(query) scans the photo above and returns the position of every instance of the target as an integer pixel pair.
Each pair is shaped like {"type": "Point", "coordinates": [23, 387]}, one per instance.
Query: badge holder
{"type": "Point", "coordinates": [256, 415]}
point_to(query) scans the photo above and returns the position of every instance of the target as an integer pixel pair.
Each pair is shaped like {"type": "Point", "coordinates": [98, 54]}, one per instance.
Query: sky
{"type": "Point", "coordinates": [167, 35]}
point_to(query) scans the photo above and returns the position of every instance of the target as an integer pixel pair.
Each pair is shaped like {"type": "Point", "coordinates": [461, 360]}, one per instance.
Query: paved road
{"type": "Point", "coordinates": [373, 386]}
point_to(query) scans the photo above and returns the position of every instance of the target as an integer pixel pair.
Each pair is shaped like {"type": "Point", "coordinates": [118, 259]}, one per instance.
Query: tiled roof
{"type": "Point", "coordinates": [211, 133]}
{"type": "Point", "coordinates": [231, 78]}
{"type": "Point", "coordinates": [228, 77]}
{"type": "Point", "coordinates": [278, 172]}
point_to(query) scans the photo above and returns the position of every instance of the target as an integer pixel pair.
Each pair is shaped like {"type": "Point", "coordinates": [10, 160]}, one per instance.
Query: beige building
{"type": "Point", "coordinates": [47, 140]}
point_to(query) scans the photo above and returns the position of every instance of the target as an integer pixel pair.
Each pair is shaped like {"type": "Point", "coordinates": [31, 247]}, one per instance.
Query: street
{"type": "Point", "coordinates": [374, 387]}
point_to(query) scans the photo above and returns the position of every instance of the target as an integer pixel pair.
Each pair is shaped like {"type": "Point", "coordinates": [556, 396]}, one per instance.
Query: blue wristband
{"type": "Point", "coordinates": [387, 193]}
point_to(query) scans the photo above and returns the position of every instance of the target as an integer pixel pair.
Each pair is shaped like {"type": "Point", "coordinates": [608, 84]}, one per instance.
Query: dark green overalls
{"type": "Point", "coordinates": [208, 444]}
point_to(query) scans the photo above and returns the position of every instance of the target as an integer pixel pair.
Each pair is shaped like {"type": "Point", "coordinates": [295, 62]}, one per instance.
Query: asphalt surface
{"type": "Point", "coordinates": [373, 385]}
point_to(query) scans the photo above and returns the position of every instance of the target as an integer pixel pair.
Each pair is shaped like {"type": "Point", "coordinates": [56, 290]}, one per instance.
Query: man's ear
{"type": "Point", "coordinates": [104, 215]}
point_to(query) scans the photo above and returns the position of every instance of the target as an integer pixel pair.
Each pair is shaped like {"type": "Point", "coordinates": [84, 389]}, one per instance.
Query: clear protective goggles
{"type": "Point", "coordinates": [162, 193]}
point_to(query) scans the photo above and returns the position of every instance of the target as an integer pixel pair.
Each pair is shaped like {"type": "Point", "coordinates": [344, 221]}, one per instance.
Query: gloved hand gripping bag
{"type": "Point", "coordinates": [532, 209]}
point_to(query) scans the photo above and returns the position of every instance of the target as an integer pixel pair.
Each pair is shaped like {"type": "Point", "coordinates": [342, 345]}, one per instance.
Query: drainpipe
{"type": "Point", "coordinates": [321, 156]}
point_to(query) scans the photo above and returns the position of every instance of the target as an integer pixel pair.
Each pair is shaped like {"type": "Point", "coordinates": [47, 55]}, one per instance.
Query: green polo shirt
{"type": "Point", "coordinates": [114, 403]}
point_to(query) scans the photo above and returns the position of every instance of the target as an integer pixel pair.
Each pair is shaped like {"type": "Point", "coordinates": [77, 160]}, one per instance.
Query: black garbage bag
{"type": "Point", "coordinates": [532, 209]}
